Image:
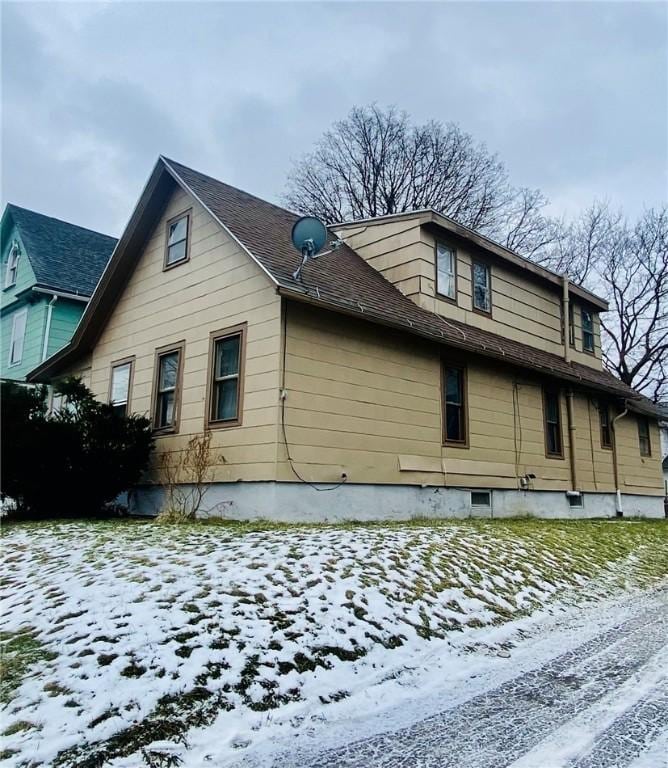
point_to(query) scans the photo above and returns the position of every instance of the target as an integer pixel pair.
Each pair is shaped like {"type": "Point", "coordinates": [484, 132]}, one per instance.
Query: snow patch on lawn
{"type": "Point", "coordinates": [198, 642]}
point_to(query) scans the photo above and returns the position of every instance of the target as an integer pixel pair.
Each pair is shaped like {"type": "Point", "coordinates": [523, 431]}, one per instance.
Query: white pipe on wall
{"type": "Point", "coordinates": [47, 329]}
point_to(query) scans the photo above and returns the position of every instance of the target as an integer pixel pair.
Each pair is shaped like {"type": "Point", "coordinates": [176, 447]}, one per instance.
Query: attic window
{"type": "Point", "coordinates": [587, 331]}
{"type": "Point", "coordinates": [177, 240]}
{"type": "Point", "coordinates": [12, 265]}
{"type": "Point", "coordinates": [446, 271]}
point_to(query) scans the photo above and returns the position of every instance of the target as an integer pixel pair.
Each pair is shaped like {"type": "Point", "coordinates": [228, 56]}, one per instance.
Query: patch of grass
{"type": "Point", "coordinates": [19, 651]}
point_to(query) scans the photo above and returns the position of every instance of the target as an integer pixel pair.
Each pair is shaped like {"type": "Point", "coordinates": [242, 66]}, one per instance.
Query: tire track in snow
{"type": "Point", "coordinates": [494, 729]}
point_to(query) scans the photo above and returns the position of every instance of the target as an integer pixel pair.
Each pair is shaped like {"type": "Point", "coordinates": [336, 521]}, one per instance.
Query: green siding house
{"type": "Point", "coordinates": [49, 271]}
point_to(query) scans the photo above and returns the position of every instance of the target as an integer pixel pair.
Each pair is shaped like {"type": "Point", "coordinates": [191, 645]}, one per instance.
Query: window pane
{"type": "Point", "coordinates": [120, 383]}
{"type": "Point", "coordinates": [18, 334]}
{"type": "Point", "coordinates": [176, 252]}
{"type": "Point", "coordinates": [445, 271]}
{"type": "Point", "coordinates": [169, 366]}
{"type": "Point", "coordinates": [453, 390]}
{"type": "Point", "coordinates": [227, 356]}
{"type": "Point", "coordinates": [178, 231]}
{"type": "Point", "coordinates": [453, 423]}
{"type": "Point", "coordinates": [227, 398]}
{"type": "Point", "coordinates": [166, 409]}
{"type": "Point", "coordinates": [481, 287]}
{"type": "Point", "coordinates": [552, 409]}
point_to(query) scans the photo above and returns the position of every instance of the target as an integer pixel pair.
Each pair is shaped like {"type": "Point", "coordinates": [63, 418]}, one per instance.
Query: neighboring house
{"type": "Point", "coordinates": [418, 369]}
{"type": "Point", "coordinates": [663, 426]}
{"type": "Point", "coordinates": [49, 271]}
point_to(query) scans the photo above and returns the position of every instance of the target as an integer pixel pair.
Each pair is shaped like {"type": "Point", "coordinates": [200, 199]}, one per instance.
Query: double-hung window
{"type": "Point", "coordinates": [12, 265]}
{"type": "Point", "coordinates": [606, 429]}
{"type": "Point", "coordinates": [482, 287]}
{"type": "Point", "coordinates": [552, 416]}
{"type": "Point", "coordinates": [643, 436]}
{"type": "Point", "coordinates": [17, 338]}
{"type": "Point", "coordinates": [454, 405]}
{"type": "Point", "coordinates": [177, 240]}
{"type": "Point", "coordinates": [226, 373]}
{"type": "Point", "coordinates": [167, 387]}
{"type": "Point", "coordinates": [446, 271]}
{"type": "Point", "coordinates": [120, 384]}
{"type": "Point", "coordinates": [587, 331]}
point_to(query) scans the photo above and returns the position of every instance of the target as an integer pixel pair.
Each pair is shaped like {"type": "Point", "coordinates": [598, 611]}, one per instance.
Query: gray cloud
{"type": "Point", "coordinates": [572, 96]}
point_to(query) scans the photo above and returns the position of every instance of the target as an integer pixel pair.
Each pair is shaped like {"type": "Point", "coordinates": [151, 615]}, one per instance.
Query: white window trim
{"type": "Point", "coordinates": [22, 313]}
{"type": "Point", "coordinates": [452, 274]}
{"type": "Point", "coordinates": [12, 264]}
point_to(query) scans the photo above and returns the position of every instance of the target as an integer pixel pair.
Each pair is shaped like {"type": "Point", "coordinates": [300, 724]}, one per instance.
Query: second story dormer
{"type": "Point", "coordinates": [457, 273]}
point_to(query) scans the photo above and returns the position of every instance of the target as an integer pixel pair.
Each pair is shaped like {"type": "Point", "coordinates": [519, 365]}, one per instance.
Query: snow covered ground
{"type": "Point", "coordinates": [132, 644]}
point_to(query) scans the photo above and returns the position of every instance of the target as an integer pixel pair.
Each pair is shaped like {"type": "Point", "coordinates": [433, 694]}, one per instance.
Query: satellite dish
{"type": "Point", "coordinates": [309, 235]}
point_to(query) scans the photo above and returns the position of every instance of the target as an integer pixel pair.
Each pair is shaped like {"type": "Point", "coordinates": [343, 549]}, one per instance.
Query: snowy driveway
{"type": "Point", "coordinates": [601, 704]}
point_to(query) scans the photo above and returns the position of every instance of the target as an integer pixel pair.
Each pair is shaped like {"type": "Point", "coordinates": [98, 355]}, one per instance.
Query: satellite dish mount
{"type": "Point", "coordinates": [309, 235]}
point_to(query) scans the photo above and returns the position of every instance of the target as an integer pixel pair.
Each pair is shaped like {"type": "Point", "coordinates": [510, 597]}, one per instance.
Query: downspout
{"type": "Point", "coordinates": [47, 329]}
{"type": "Point", "coordinates": [571, 439]}
{"type": "Point", "coordinates": [615, 468]}
{"type": "Point", "coordinates": [565, 318]}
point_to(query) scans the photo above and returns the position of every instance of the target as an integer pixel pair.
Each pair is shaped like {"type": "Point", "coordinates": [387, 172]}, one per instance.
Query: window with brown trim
{"type": "Point", "coordinates": [446, 271]}
{"type": "Point", "coordinates": [643, 436]}
{"type": "Point", "coordinates": [120, 385]}
{"type": "Point", "coordinates": [454, 405]}
{"type": "Point", "coordinates": [167, 387]}
{"type": "Point", "coordinates": [587, 330]}
{"type": "Point", "coordinates": [554, 447]}
{"type": "Point", "coordinates": [482, 287]}
{"type": "Point", "coordinates": [177, 240]}
{"type": "Point", "coordinates": [606, 429]}
{"type": "Point", "coordinates": [226, 377]}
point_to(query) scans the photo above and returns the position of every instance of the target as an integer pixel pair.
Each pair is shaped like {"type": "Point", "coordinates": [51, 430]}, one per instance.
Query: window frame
{"type": "Point", "coordinates": [12, 265]}
{"type": "Point", "coordinates": [240, 330]}
{"type": "Point", "coordinates": [640, 419]}
{"type": "Point", "coordinates": [23, 313]}
{"type": "Point", "coordinates": [130, 360]}
{"type": "Point", "coordinates": [604, 408]}
{"type": "Point", "coordinates": [585, 333]}
{"type": "Point", "coordinates": [170, 429]}
{"type": "Point", "coordinates": [488, 268]}
{"type": "Point", "coordinates": [454, 365]}
{"type": "Point", "coordinates": [547, 392]}
{"type": "Point", "coordinates": [187, 214]}
{"type": "Point", "coordinates": [571, 325]}
{"type": "Point", "coordinates": [453, 251]}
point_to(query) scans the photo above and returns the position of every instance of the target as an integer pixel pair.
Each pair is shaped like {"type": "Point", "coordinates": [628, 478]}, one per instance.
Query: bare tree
{"type": "Point", "coordinates": [634, 274]}
{"type": "Point", "coordinates": [628, 265]}
{"type": "Point", "coordinates": [375, 162]}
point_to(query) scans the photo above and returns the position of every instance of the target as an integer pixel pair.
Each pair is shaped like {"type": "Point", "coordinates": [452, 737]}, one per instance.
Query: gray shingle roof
{"type": "Point", "coordinates": [63, 256]}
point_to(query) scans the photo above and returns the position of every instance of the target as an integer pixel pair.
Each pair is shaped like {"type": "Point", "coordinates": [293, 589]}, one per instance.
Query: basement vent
{"type": "Point", "coordinates": [575, 499]}
{"type": "Point", "coordinates": [481, 499]}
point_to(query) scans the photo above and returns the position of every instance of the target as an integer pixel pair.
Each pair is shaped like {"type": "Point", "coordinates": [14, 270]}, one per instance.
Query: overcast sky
{"type": "Point", "coordinates": [572, 96]}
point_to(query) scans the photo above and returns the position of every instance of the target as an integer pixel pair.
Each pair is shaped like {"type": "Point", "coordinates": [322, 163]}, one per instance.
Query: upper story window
{"type": "Point", "coordinates": [482, 287]}
{"type": "Point", "coordinates": [178, 238]}
{"type": "Point", "coordinates": [226, 366]}
{"type": "Point", "coordinates": [18, 336]}
{"type": "Point", "coordinates": [643, 436]}
{"type": "Point", "coordinates": [606, 431]}
{"type": "Point", "coordinates": [167, 387]}
{"type": "Point", "coordinates": [12, 265]}
{"type": "Point", "coordinates": [454, 405]}
{"type": "Point", "coordinates": [120, 385]}
{"type": "Point", "coordinates": [446, 271]}
{"type": "Point", "coordinates": [587, 331]}
{"type": "Point", "coordinates": [571, 324]}
{"type": "Point", "coordinates": [552, 416]}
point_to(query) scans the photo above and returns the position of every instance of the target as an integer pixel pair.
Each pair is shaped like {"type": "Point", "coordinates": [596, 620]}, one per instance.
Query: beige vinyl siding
{"type": "Point", "coordinates": [638, 474]}
{"type": "Point", "coordinates": [220, 286]}
{"type": "Point", "coordinates": [366, 401]}
{"type": "Point", "coordinates": [524, 308]}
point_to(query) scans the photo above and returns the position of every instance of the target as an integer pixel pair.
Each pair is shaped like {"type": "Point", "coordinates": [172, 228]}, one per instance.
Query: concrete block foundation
{"type": "Point", "coordinates": [297, 502]}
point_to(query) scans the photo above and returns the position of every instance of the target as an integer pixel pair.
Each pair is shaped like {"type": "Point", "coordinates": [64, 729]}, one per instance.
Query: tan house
{"type": "Point", "coordinates": [417, 369]}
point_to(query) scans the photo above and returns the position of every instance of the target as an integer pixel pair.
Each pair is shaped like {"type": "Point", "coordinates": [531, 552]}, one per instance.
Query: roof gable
{"type": "Point", "coordinates": [63, 256]}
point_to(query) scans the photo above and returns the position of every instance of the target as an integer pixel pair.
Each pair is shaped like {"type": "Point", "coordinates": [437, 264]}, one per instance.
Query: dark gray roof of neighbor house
{"type": "Point", "coordinates": [63, 256]}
